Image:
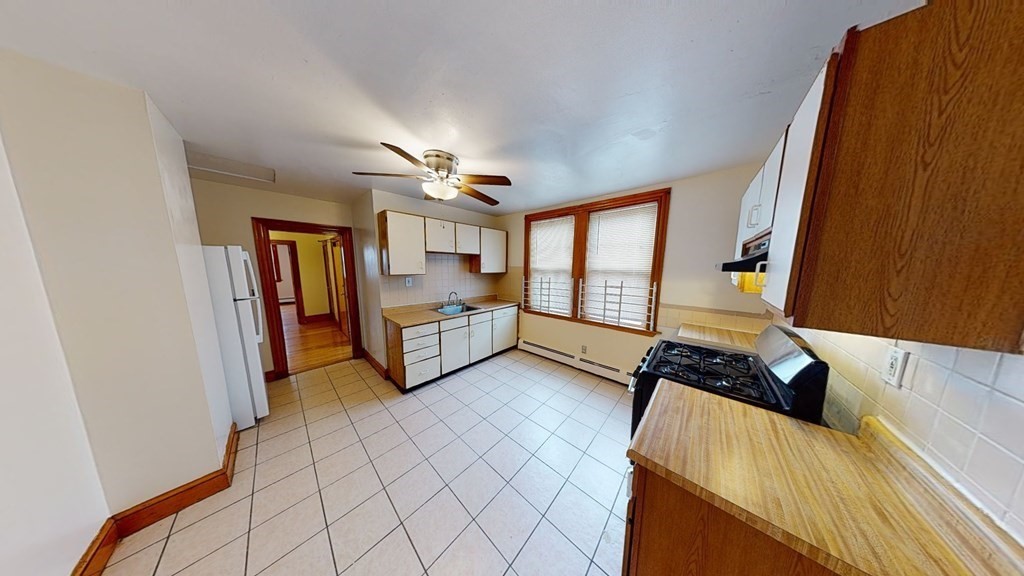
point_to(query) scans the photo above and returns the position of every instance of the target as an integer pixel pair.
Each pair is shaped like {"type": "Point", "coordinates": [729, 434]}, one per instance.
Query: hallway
{"type": "Point", "coordinates": [312, 345]}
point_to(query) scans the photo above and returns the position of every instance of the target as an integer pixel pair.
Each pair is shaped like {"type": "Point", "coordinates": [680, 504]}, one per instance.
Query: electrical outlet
{"type": "Point", "coordinates": [895, 361]}
{"type": "Point", "coordinates": [408, 281]}
{"type": "Point", "coordinates": [583, 349]}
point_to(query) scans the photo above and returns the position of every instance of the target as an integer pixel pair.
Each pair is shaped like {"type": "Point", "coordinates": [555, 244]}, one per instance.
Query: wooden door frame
{"type": "Point", "coordinates": [261, 228]}
{"type": "Point", "coordinates": [293, 256]}
{"type": "Point", "coordinates": [325, 248]}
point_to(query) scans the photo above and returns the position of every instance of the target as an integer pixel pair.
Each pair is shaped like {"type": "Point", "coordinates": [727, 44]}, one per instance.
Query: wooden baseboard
{"type": "Point", "coordinates": [318, 318]}
{"type": "Point", "coordinates": [376, 365]}
{"type": "Point", "coordinates": [96, 556]}
{"type": "Point", "coordinates": [155, 509]}
{"type": "Point", "coordinates": [271, 375]}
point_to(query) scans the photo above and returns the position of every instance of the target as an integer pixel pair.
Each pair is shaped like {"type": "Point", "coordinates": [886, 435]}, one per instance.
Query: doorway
{"type": "Point", "coordinates": [308, 275]}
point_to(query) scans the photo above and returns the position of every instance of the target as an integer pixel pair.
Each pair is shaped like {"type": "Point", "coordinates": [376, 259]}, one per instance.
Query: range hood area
{"type": "Point", "coordinates": [747, 263]}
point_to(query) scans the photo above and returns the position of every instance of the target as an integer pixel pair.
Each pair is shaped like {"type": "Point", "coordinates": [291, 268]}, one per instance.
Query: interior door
{"type": "Point", "coordinates": [338, 265]}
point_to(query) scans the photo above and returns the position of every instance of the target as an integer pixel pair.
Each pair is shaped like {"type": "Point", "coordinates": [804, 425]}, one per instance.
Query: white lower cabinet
{"type": "Point", "coordinates": [479, 340]}
{"type": "Point", "coordinates": [454, 349]}
{"type": "Point", "coordinates": [420, 372]}
{"type": "Point", "coordinates": [503, 332]}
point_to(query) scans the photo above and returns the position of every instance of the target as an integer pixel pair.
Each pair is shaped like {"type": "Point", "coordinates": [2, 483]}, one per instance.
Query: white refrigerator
{"type": "Point", "coordinates": [239, 317]}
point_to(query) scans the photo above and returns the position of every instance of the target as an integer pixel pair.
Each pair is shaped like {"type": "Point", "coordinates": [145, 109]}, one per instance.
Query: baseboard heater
{"type": "Point", "coordinates": [596, 368]}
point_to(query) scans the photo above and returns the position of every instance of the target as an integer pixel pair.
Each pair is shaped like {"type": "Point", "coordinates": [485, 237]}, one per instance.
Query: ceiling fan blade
{"type": "Point", "coordinates": [474, 193]}
{"type": "Point", "coordinates": [485, 179]}
{"type": "Point", "coordinates": [390, 175]}
{"type": "Point", "coordinates": [412, 159]}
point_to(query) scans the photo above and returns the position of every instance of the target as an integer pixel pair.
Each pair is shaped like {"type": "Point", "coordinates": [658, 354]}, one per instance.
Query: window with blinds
{"type": "Point", "coordinates": [549, 288]}
{"type": "Point", "coordinates": [613, 279]}
{"type": "Point", "coordinates": [618, 288]}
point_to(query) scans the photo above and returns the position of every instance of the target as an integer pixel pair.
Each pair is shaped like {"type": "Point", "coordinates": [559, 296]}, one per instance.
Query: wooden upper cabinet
{"type": "Point", "coordinates": [402, 244]}
{"type": "Point", "coordinates": [440, 235]}
{"type": "Point", "coordinates": [915, 225]}
{"type": "Point", "coordinates": [467, 239]}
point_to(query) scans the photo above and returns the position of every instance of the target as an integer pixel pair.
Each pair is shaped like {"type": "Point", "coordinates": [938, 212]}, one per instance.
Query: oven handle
{"type": "Point", "coordinates": [632, 385]}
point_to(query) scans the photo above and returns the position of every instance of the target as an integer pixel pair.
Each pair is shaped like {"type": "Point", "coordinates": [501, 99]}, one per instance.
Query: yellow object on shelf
{"type": "Point", "coordinates": [747, 283]}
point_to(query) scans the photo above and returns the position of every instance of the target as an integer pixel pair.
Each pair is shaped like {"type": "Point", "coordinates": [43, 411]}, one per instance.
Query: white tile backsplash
{"type": "Point", "coordinates": [445, 273]}
{"type": "Point", "coordinates": [962, 408]}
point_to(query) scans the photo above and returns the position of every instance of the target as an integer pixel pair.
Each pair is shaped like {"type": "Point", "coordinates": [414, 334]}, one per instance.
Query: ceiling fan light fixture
{"type": "Point", "coordinates": [439, 190]}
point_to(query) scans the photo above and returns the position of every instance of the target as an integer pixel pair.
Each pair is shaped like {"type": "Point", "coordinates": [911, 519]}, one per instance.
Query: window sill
{"type": "Point", "coordinates": [637, 331]}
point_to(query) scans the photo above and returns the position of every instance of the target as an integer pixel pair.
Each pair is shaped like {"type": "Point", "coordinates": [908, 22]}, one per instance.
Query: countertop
{"type": "Point", "coordinates": [862, 504]}
{"type": "Point", "coordinates": [406, 316]}
{"type": "Point", "coordinates": [717, 337]}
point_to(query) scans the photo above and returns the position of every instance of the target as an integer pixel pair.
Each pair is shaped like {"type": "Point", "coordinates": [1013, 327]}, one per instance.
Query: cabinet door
{"type": "Point", "coordinates": [748, 208]}
{"type": "Point", "coordinates": [790, 201]}
{"type": "Point", "coordinates": [765, 211]}
{"type": "Point", "coordinates": [479, 341]}
{"type": "Point", "coordinates": [493, 251]}
{"type": "Point", "coordinates": [440, 235]}
{"type": "Point", "coordinates": [406, 250]}
{"type": "Point", "coordinates": [454, 349]}
{"type": "Point", "coordinates": [467, 239]}
{"type": "Point", "coordinates": [503, 333]}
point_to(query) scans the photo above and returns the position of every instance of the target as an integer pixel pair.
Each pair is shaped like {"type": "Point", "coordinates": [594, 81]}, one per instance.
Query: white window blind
{"type": "Point", "coordinates": [550, 285]}
{"type": "Point", "coordinates": [617, 288]}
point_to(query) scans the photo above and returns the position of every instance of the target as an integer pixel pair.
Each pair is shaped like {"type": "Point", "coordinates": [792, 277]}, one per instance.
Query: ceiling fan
{"type": "Point", "coordinates": [442, 180]}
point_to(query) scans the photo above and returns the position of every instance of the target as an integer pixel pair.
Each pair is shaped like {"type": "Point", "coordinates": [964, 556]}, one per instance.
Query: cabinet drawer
{"type": "Point", "coordinates": [420, 372]}
{"type": "Point", "coordinates": [419, 343]}
{"type": "Point", "coordinates": [481, 317]}
{"type": "Point", "coordinates": [421, 354]}
{"type": "Point", "coordinates": [454, 323]}
{"type": "Point", "coordinates": [415, 331]}
{"type": "Point", "coordinates": [503, 312]}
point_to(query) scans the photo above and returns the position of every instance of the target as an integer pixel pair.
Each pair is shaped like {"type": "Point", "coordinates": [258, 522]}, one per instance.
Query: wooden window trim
{"type": "Point", "coordinates": [581, 216]}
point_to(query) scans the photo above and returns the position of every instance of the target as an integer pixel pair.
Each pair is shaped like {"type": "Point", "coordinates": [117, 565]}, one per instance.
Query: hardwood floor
{"type": "Point", "coordinates": [314, 344]}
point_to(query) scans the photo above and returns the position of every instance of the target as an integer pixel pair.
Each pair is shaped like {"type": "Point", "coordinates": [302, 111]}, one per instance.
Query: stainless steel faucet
{"type": "Point", "coordinates": [453, 301]}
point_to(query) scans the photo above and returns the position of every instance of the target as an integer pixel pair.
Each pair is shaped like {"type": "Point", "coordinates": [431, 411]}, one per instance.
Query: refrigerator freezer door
{"type": "Point", "coordinates": [229, 336]}
{"type": "Point", "coordinates": [251, 351]}
{"type": "Point", "coordinates": [243, 279]}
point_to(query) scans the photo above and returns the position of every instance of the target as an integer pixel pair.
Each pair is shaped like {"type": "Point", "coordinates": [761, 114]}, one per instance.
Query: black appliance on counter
{"type": "Point", "coordinates": [785, 375]}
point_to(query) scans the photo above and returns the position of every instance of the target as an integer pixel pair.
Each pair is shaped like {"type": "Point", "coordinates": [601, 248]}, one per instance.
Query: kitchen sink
{"type": "Point", "coordinates": [456, 309]}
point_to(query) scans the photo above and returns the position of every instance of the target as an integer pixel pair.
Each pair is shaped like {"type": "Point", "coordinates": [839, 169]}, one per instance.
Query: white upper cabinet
{"type": "Point", "coordinates": [467, 239]}
{"type": "Point", "coordinates": [769, 188]}
{"type": "Point", "coordinates": [748, 209]}
{"type": "Point", "coordinates": [789, 204]}
{"type": "Point", "coordinates": [403, 247]}
{"type": "Point", "coordinates": [493, 251]}
{"type": "Point", "coordinates": [440, 235]}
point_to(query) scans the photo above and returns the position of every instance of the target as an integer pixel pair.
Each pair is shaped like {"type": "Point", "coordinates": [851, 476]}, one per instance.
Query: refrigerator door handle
{"type": "Point", "coordinates": [253, 289]}
{"type": "Point", "coordinates": [259, 320]}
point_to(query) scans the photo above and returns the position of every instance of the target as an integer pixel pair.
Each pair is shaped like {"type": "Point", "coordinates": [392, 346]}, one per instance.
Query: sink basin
{"type": "Point", "coordinates": [459, 309]}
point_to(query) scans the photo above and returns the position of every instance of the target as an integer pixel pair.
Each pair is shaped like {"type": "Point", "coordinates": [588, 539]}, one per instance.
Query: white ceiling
{"type": "Point", "coordinates": [570, 99]}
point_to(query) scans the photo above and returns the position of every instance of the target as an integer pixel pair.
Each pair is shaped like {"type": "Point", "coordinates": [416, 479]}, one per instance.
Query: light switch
{"type": "Point", "coordinates": [895, 361]}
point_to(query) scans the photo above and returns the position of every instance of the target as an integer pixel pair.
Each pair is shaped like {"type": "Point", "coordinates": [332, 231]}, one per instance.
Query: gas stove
{"type": "Point", "coordinates": [783, 376]}
{"type": "Point", "coordinates": [727, 373]}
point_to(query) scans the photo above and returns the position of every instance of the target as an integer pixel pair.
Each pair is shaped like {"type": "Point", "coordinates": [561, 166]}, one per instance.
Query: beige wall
{"type": "Point", "coordinates": [181, 211]}
{"type": "Point", "coordinates": [312, 273]}
{"type": "Point", "coordinates": [82, 154]}
{"type": "Point", "coordinates": [52, 502]}
{"type": "Point", "coordinates": [225, 213]}
{"type": "Point", "coordinates": [367, 264]}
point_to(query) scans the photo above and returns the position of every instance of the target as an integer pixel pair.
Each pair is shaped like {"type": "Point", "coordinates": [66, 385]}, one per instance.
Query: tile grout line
{"type": "Point", "coordinates": [319, 491]}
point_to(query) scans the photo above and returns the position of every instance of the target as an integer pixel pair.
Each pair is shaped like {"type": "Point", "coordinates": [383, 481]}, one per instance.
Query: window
{"type": "Point", "coordinates": [551, 265]}
{"type": "Point", "coordinates": [598, 263]}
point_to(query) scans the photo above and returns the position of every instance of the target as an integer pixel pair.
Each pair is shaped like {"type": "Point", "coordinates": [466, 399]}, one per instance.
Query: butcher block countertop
{"type": "Point", "coordinates": [406, 316]}
{"type": "Point", "coordinates": [717, 337]}
{"type": "Point", "coordinates": [858, 505]}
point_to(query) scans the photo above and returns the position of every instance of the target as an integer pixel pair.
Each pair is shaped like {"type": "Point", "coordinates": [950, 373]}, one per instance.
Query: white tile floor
{"type": "Point", "coordinates": [512, 466]}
